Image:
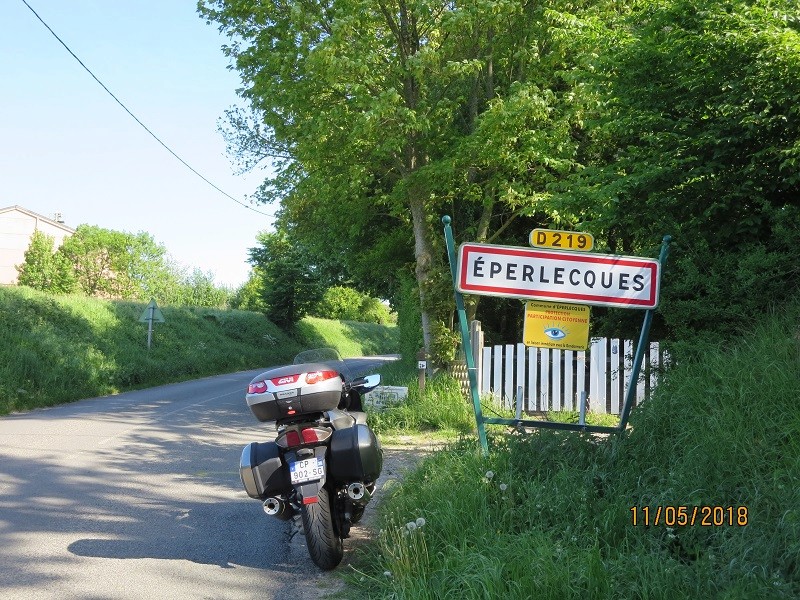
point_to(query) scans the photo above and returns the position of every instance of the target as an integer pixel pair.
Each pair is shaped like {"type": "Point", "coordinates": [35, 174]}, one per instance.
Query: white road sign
{"type": "Point", "coordinates": [579, 277]}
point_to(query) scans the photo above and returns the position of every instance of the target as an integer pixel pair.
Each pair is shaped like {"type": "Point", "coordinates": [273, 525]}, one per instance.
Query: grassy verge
{"type": "Point", "coordinates": [348, 337]}
{"type": "Point", "coordinates": [549, 515]}
{"type": "Point", "coordinates": [63, 348]}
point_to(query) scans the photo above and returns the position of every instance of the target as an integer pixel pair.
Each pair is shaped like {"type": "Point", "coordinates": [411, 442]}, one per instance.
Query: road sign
{"type": "Point", "coordinates": [573, 277]}
{"type": "Point", "coordinates": [561, 240]}
{"type": "Point", "coordinates": [552, 325]}
{"type": "Point", "coordinates": [152, 313]}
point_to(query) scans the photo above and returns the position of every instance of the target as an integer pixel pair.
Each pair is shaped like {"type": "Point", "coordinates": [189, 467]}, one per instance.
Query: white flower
{"type": "Point", "coordinates": [411, 525]}
{"type": "Point", "coordinates": [387, 573]}
{"type": "Point", "coordinates": [420, 522]}
{"type": "Point", "coordinates": [503, 487]}
{"type": "Point", "coordinates": [489, 475]}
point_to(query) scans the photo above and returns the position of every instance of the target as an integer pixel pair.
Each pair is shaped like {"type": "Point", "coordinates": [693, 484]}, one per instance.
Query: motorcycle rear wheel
{"type": "Point", "coordinates": [324, 544]}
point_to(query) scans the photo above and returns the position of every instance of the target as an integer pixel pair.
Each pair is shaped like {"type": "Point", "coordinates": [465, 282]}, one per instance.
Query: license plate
{"type": "Point", "coordinates": [286, 394]}
{"type": "Point", "coordinates": [310, 469]}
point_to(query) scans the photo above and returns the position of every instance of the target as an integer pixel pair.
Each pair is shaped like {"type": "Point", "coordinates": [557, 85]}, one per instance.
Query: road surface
{"type": "Point", "coordinates": [138, 496]}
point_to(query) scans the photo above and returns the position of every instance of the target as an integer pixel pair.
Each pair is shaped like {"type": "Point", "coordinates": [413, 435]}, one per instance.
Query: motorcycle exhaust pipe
{"type": "Point", "coordinates": [358, 492]}
{"type": "Point", "coordinates": [275, 507]}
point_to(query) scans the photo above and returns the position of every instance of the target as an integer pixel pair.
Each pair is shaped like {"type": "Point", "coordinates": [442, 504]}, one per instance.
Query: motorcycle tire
{"type": "Point", "coordinates": [324, 544]}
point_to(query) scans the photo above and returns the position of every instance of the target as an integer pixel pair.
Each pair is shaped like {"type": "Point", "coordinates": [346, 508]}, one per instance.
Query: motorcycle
{"type": "Point", "coordinates": [325, 460]}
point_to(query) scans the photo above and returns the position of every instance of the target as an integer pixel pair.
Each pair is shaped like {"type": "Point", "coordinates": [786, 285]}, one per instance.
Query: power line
{"type": "Point", "coordinates": [135, 118]}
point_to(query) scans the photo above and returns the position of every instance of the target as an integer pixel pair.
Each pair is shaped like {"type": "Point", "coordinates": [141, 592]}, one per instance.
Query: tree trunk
{"type": "Point", "coordinates": [423, 252]}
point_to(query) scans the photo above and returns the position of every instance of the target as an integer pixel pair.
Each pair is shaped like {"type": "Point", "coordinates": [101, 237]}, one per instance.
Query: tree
{"type": "Point", "coordinates": [348, 304]}
{"type": "Point", "coordinates": [117, 264]}
{"type": "Point", "coordinates": [249, 294]}
{"type": "Point", "coordinates": [44, 269]}
{"type": "Point", "coordinates": [290, 287]}
{"type": "Point", "coordinates": [698, 135]}
{"type": "Point", "coordinates": [370, 109]}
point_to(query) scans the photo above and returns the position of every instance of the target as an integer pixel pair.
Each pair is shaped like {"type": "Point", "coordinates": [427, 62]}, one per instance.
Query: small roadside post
{"type": "Point", "coordinates": [150, 315]}
{"type": "Point", "coordinates": [422, 366]}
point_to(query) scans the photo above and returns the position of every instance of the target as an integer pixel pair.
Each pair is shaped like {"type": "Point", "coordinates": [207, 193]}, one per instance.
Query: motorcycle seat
{"type": "Point", "coordinates": [360, 417]}
{"type": "Point", "coordinates": [341, 419]}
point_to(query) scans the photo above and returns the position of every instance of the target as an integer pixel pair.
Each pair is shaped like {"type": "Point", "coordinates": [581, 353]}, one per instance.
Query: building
{"type": "Point", "coordinates": [17, 225]}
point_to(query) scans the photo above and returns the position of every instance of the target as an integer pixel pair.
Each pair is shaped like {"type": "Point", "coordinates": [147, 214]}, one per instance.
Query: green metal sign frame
{"type": "Point", "coordinates": [482, 421]}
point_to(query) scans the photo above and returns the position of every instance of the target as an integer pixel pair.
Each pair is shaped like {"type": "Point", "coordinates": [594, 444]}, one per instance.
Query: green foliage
{"type": "Point", "coordinates": [198, 289]}
{"type": "Point", "coordinates": [57, 349]}
{"type": "Point", "coordinates": [348, 304]}
{"type": "Point", "coordinates": [696, 135]}
{"type": "Point", "coordinates": [44, 269]}
{"type": "Point", "coordinates": [248, 296]}
{"type": "Point", "coordinates": [408, 319]}
{"type": "Point", "coordinates": [350, 338]}
{"type": "Point", "coordinates": [629, 120]}
{"type": "Point", "coordinates": [109, 263]}
{"type": "Point", "coordinates": [441, 407]}
{"type": "Point", "coordinates": [289, 286]}
{"type": "Point", "coordinates": [548, 514]}
{"type": "Point", "coordinates": [113, 264]}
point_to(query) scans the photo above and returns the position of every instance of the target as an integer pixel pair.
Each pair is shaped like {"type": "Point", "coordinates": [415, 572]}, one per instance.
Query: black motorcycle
{"type": "Point", "coordinates": [325, 460]}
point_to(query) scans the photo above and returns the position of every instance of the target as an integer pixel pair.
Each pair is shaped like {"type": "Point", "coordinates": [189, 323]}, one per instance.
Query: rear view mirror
{"type": "Point", "coordinates": [372, 381]}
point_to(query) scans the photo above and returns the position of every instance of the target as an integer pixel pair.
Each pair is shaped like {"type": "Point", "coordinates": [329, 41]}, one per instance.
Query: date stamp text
{"type": "Point", "coordinates": [680, 516]}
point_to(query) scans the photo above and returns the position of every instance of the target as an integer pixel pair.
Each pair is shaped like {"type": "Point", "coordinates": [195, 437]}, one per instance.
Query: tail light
{"type": "Point", "coordinates": [309, 435]}
{"type": "Point", "coordinates": [292, 439]}
{"type": "Point", "coordinates": [317, 376]}
{"type": "Point", "coordinates": [257, 387]}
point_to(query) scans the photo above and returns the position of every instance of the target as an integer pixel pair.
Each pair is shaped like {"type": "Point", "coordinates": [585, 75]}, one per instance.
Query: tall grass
{"type": "Point", "coordinates": [440, 408]}
{"type": "Point", "coordinates": [57, 349]}
{"type": "Point", "coordinates": [548, 515]}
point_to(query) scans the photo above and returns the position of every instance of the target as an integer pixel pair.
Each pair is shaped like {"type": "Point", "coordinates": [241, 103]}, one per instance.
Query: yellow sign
{"type": "Point", "coordinates": [552, 325]}
{"type": "Point", "coordinates": [564, 240]}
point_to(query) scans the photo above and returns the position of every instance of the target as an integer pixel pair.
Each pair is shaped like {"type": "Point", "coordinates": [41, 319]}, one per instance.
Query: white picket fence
{"type": "Point", "coordinates": [555, 379]}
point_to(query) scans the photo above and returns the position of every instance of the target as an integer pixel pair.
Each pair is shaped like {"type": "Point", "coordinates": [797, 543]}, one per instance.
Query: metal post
{"type": "Point", "coordinates": [641, 346]}
{"type": "Point", "coordinates": [150, 326]}
{"type": "Point", "coordinates": [465, 339]}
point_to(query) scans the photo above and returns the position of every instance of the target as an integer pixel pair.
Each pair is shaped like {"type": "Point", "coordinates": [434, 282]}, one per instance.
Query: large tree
{"type": "Point", "coordinates": [697, 134]}
{"type": "Point", "coordinates": [381, 115]}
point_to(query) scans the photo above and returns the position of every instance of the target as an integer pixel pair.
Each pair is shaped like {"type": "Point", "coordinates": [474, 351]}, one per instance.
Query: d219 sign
{"type": "Point", "coordinates": [581, 278]}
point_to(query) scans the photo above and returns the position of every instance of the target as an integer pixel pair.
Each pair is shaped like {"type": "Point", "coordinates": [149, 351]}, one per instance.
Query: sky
{"type": "Point", "coordinates": [67, 147]}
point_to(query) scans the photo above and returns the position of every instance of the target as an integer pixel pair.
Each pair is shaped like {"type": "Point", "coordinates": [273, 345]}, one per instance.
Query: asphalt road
{"type": "Point", "coordinates": [138, 496]}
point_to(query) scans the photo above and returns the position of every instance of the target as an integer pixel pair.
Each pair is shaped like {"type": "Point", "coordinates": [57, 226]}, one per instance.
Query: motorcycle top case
{"type": "Point", "coordinates": [294, 390]}
{"type": "Point", "coordinates": [355, 455]}
{"type": "Point", "coordinates": [262, 471]}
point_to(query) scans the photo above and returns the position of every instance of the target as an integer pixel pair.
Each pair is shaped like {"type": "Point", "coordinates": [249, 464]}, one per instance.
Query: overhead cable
{"type": "Point", "coordinates": [135, 118]}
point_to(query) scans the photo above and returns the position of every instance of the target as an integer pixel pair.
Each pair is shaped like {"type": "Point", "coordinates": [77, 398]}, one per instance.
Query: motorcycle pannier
{"type": "Point", "coordinates": [262, 473]}
{"type": "Point", "coordinates": [356, 455]}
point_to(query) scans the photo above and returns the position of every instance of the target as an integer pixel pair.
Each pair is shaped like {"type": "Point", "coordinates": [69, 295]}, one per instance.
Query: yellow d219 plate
{"type": "Point", "coordinates": [563, 240]}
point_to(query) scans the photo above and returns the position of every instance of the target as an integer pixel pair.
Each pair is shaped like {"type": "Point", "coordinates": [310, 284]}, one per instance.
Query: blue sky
{"type": "Point", "coordinates": [67, 147]}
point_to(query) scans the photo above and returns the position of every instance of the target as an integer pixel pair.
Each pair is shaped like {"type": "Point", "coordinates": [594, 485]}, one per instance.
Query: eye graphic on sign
{"type": "Point", "coordinates": [555, 333]}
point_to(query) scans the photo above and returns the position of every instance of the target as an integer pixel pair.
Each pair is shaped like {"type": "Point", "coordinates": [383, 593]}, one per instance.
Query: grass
{"type": "Point", "coordinates": [548, 515]}
{"type": "Point", "coordinates": [56, 349]}
{"type": "Point", "coordinates": [350, 338]}
{"type": "Point", "coordinates": [440, 409]}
